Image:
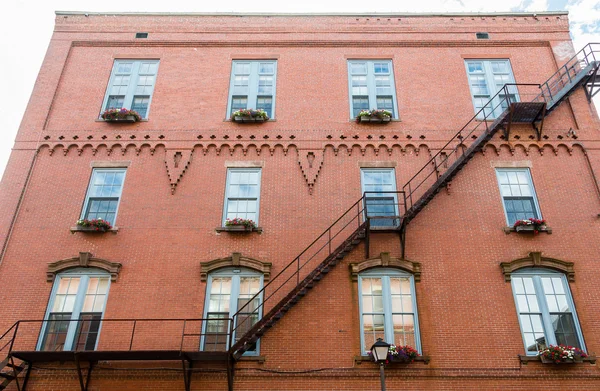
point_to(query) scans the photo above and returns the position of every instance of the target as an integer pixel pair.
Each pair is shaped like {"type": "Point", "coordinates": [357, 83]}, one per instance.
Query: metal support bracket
{"type": "Point", "coordinates": [84, 384]}
{"type": "Point", "coordinates": [539, 117]}
{"type": "Point", "coordinates": [27, 374]}
{"type": "Point", "coordinates": [187, 373]}
{"type": "Point", "coordinates": [15, 373]}
{"type": "Point", "coordinates": [403, 226]}
{"type": "Point", "coordinates": [367, 237]}
{"type": "Point", "coordinates": [595, 83]}
{"type": "Point", "coordinates": [230, 372]}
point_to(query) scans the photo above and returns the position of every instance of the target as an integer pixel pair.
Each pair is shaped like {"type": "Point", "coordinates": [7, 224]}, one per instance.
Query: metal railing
{"type": "Point", "coordinates": [567, 73]}
{"type": "Point", "coordinates": [492, 113]}
{"type": "Point", "coordinates": [328, 243]}
{"type": "Point", "coordinates": [203, 334]}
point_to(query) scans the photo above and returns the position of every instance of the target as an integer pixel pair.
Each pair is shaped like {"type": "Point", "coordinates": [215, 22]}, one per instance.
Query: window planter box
{"type": "Point", "coordinates": [360, 359]}
{"type": "Point", "coordinates": [127, 119]}
{"type": "Point", "coordinates": [94, 230]}
{"type": "Point", "coordinates": [526, 359]}
{"type": "Point", "coordinates": [527, 229]}
{"type": "Point", "coordinates": [248, 119]}
{"type": "Point", "coordinates": [374, 119]}
{"type": "Point", "coordinates": [238, 228]}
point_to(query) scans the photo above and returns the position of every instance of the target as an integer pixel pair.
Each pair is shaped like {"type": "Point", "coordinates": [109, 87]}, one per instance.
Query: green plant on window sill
{"type": "Point", "coordinates": [404, 354]}
{"type": "Point", "coordinates": [120, 115]}
{"type": "Point", "coordinates": [249, 115]}
{"type": "Point", "coordinates": [530, 225]}
{"type": "Point", "coordinates": [374, 115]}
{"type": "Point", "coordinates": [249, 225]}
{"type": "Point", "coordinates": [562, 354]}
{"type": "Point", "coordinates": [98, 225]}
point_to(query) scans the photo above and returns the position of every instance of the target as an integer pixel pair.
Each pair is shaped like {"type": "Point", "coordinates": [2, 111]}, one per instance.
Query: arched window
{"type": "Point", "coordinates": [388, 308]}
{"type": "Point", "coordinates": [76, 306]}
{"type": "Point", "coordinates": [546, 311]}
{"type": "Point", "coordinates": [227, 291]}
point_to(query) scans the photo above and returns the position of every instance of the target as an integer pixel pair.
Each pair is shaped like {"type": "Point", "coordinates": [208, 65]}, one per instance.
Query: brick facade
{"type": "Point", "coordinates": [167, 217]}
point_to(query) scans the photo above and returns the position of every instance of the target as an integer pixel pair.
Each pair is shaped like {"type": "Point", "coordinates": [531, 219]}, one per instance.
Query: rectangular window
{"type": "Point", "coordinates": [546, 311]}
{"type": "Point", "coordinates": [518, 194]}
{"type": "Point", "coordinates": [74, 313]}
{"type": "Point", "coordinates": [252, 86]}
{"type": "Point", "coordinates": [381, 199]}
{"type": "Point", "coordinates": [486, 79]}
{"type": "Point", "coordinates": [103, 195]}
{"type": "Point", "coordinates": [388, 309]}
{"type": "Point", "coordinates": [131, 85]}
{"type": "Point", "coordinates": [242, 194]}
{"type": "Point", "coordinates": [371, 86]}
{"type": "Point", "coordinates": [230, 291]}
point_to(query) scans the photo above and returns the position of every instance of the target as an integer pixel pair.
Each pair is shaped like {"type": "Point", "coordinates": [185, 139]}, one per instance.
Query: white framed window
{"type": "Point", "coordinates": [379, 186]}
{"type": "Point", "coordinates": [228, 291]}
{"type": "Point", "coordinates": [518, 194]}
{"type": "Point", "coordinates": [131, 85]}
{"type": "Point", "coordinates": [253, 86]}
{"type": "Point", "coordinates": [371, 86]}
{"type": "Point", "coordinates": [388, 308]}
{"type": "Point", "coordinates": [75, 310]}
{"type": "Point", "coordinates": [546, 311]}
{"type": "Point", "coordinates": [486, 79]}
{"type": "Point", "coordinates": [103, 194]}
{"type": "Point", "coordinates": [242, 194]}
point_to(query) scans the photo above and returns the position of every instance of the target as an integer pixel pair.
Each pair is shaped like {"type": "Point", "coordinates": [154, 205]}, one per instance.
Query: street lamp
{"type": "Point", "coordinates": [379, 351]}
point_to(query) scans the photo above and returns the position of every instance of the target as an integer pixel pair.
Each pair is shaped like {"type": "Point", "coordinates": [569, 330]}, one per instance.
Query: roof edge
{"type": "Point", "coordinates": [285, 14]}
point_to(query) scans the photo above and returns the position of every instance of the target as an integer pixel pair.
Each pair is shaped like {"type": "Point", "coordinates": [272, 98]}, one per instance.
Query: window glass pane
{"type": "Point", "coordinates": [239, 103]}
{"type": "Point", "coordinates": [381, 67]}
{"type": "Point", "coordinates": [55, 336]}
{"type": "Point", "coordinates": [265, 103]}
{"type": "Point", "coordinates": [359, 103]}
{"type": "Point", "coordinates": [266, 68]}
{"type": "Point", "coordinates": [358, 68]}
{"type": "Point", "coordinates": [385, 103]}
{"type": "Point", "coordinates": [404, 330]}
{"type": "Point", "coordinates": [373, 328]}
{"type": "Point", "coordinates": [115, 102]}
{"type": "Point", "coordinates": [242, 68]}
{"type": "Point", "coordinates": [359, 85]}
{"type": "Point", "coordinates": [140, 104]}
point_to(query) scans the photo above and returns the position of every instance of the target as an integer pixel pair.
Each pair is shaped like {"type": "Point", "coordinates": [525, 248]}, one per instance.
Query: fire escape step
{"type": "Point", "coordinates": [7, 375]}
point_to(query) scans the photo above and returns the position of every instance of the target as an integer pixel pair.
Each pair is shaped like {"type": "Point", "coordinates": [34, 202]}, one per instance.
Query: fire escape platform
{"type": "Point", "coordinates": [121, 355]}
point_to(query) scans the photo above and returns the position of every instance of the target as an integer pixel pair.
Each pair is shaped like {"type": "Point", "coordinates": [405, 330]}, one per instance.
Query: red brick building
{"type": "Point", "coordinates": [398, 224]}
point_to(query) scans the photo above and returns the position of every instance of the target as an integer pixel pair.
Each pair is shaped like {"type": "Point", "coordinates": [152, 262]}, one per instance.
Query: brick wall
{"type": "Point", "coordinates": [467, 316]}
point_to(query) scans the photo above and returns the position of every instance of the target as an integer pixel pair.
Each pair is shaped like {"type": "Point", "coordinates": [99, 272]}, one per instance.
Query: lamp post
{"type": "Point", "coordinates": [379, 351]}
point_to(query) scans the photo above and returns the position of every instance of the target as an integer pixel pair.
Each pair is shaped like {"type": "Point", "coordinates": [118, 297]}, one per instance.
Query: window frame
{"type": "Point", "coordinates": [392, 170]}
{"type": "Point", "coordinates": [371, 85]}
{"type": "Point", "coordinates": [491, 85]}
{"type": "Point", "coordinates": [84, 274]}
{"type": "Point", "coordinates": [527, 172]}
{"type": "Point", "coordinates": [235, 273]}
{"type": "Point", "coordinates": [135, 75]}
{"type": "Point", "coordinates": [549, 334]}
{"type": "Point", "coordinates": [231, 170]}
{"type": "Point", "coordinates": [253, 83]}
{"type": "Point", "coordinates": [86, 201]}
{"type": "Point", "coordinates": [385, 274]}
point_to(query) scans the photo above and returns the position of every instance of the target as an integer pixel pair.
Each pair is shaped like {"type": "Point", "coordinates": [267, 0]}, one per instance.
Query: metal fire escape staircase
{"type": "Point", "coordinates": [222, 341]}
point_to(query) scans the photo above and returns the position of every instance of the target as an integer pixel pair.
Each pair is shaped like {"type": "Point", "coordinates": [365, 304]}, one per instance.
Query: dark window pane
{"type": "Point", "coordinates": [239, 102]}
{"type": "Point", "coordinates": [265, 103]}
{"type": "Point", "coordinates": [56, 331]}
{"type": "Point", "coordinates": [564, 330]}
{"type": "Point", "coordinates": [216, 333]}
{"type": "Point", "coordinates": [115, 102]}
{"type": "Point", "coordinates": [381, 206]}
{"type": "Point", "coordinates": [519, 208]}
{"type": "Point", "coordinates": [359, 103]}
{"type": "Point", "coordinates": [140, 104]}
{"type": "Point", "coordinates": [87, 331]}
{"type": "Point", "coordinates": [385, 103]}
{"type": "Point", "coordinates": [102, 208]}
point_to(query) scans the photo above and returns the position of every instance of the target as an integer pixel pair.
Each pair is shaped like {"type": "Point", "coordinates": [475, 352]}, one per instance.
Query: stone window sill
{"type": "Point", "coordinates": [526, 230]}
{"type": "Point", "coordinates": [527, 359]}
{"type": "Point", "coordinates": [91, 230]}
{"type": "Point", "coordinates": [120, 122]}
{"type": "Point", "coordinates": [360, 359]}
{"type": "Point", "coordinates": [238, 228]}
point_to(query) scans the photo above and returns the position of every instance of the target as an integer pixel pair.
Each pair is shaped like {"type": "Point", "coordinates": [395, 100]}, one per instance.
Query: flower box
{"type": "Point", "coordinates": [120, 115]}
{"type": "Point", "coordinates": [249, 116]}
{"type": "Point", "coordinates": [373, 119]}
{"type": "Point", "coordinates": [531, 229]}
{"type": "Point", "coordinates": [374, 116]}
{"type": "Point", "coordinates": [94, 225]}
{"type": "Point", "coordinates": [562, 354]}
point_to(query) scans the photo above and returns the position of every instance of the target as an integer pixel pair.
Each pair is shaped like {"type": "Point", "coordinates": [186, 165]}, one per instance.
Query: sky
{"type": "Point", "coordinates": [26, 28]}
